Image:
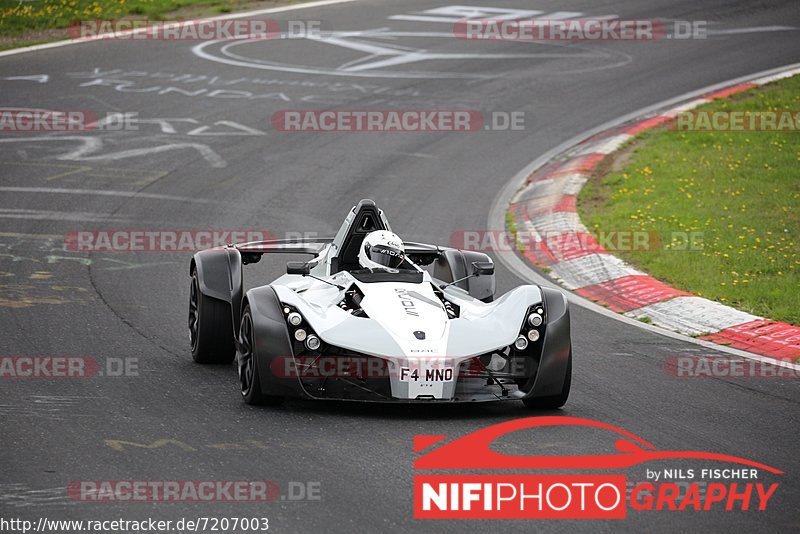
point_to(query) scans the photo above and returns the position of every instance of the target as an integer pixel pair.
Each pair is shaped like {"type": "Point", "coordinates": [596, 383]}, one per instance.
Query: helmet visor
{"type": "Point", "coordinates": [386, 256]}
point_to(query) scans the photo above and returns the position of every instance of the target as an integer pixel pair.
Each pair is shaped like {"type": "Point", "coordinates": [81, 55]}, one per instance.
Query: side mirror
{"type": "Point", "coordinates": [482, 268]}
{"type": "Point", "coordinates": [479, 268]}
{"type": "Point", "coordinates": [298, 267]}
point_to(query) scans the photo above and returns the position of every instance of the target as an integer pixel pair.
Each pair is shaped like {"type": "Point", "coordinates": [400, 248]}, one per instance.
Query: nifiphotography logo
{"type": "Point", "coordinates": [593, 486]}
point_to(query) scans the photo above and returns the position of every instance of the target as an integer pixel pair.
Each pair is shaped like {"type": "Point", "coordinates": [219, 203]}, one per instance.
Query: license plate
{"type": "Point", "coordinates": [426, 374]}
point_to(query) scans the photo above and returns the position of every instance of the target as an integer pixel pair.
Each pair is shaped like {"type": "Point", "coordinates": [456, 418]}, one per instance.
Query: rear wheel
{"type": "Point", "coordinates": [553, 401]}
{"type": "Point", "coordinates": [248, 367]}
{"type": "Point", "coordinates": [210, 327]}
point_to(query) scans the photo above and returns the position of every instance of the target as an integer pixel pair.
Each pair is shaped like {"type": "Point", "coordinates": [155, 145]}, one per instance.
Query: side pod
{"type": "Point", "coordinates": [274, 354]}
{"type": "Point", "coordinates": [454, 264]}
{"type": "Point", "coordinates": [219, 274]}
{"type": "Point", "coordinates": [557, 346]}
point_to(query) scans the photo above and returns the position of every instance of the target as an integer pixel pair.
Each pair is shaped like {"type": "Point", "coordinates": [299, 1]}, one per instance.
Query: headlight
{"type": "Point", "coordinates": [533, 335]}
{"type": "Point", "coordinates": [521, 343]}
{"type": "Point", "coordinates": [294, 319]}
{"type": "Point", "coordinates": [312, 342]}
{"type": "Point", "coordinates": [535, 319]}
{"type": "Point", "coordinates": [300, 334]}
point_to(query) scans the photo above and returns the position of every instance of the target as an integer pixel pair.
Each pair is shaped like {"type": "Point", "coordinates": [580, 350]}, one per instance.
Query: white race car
{"type": "Point", "coordinates": [427, 331]}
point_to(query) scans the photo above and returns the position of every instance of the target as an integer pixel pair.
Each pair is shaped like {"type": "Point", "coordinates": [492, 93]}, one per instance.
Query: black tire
{"type": "Point", "coordinates": [553, 401]}
{"type": "Point", "coordinates": [210, 327]}
{"type": "Point", "coordinates": [249, 379]}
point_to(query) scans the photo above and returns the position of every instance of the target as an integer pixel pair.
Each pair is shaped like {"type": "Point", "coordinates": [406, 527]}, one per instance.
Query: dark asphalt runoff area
{"type": "Point", "coordinates": [205, 156]}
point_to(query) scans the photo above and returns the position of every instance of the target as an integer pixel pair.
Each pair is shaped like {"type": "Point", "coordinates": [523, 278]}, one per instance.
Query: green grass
{"type": "Point", "coordinates": [21, 18]}
{"type": "Point", "coordinates": [511, 225]}
{"type": "Point", "coordinates": [16, 43]}
{"type": "Point", "coordinates": [741, 190]}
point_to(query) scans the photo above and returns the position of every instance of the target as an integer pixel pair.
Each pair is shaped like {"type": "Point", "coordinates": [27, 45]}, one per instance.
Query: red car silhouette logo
{"type": "Point", "coordinates": [473, 451]}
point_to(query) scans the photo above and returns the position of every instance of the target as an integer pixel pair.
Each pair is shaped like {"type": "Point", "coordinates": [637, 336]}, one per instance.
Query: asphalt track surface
{"type": "Point", "coordinates": [134, 305]}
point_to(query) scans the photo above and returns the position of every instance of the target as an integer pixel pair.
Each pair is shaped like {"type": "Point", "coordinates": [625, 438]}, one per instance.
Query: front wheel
{"type": "Point", "coordinates": [553, 401]}
{"type": "Point", "coordinates": [248, 367]}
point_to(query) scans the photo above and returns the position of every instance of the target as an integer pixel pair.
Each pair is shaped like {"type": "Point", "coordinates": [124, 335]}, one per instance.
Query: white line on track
{"type": "Point", "coordinates": [8, 213]}
{"type": "Point", "coordinates": [242, 14]}
{"type": "Point", "coordinates": [105, 193]}
{"type": "Point", "coordinates": [757, 29]}
{"type": "Point", "coordinates": [91, 145]}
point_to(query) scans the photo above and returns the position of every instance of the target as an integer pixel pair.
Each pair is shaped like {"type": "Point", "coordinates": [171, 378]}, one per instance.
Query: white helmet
{"type": "Point", "coordinates": [380, 250]}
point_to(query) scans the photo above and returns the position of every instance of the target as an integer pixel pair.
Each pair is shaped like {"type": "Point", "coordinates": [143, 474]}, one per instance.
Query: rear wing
{"type": "Point", "coordinates": [251, 252]}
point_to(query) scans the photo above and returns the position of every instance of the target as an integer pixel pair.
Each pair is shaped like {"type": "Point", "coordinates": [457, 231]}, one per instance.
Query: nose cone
{"type": "Point", "coordinates": [409, 312]}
